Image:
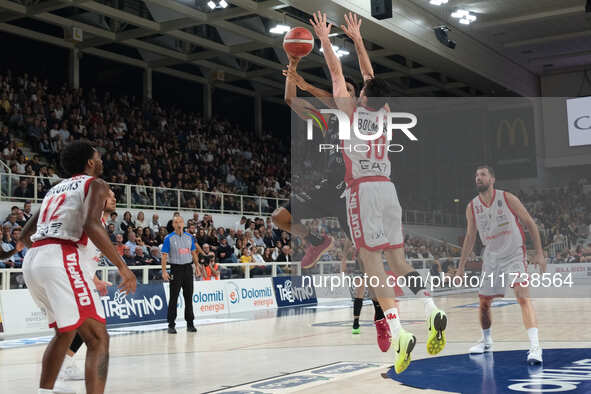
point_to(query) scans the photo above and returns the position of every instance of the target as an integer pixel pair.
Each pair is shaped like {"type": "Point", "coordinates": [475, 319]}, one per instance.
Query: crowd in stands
{"type": "Point", "coordinates": [562, 215]}
{"type": "Point", "coordinates": [142, 143]}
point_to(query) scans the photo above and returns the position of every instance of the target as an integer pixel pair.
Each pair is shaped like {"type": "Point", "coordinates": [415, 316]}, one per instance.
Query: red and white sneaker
{"type": "Point", "coordinates": [384, 335]}
{"type": "Point", "coordinates": [313, 253]}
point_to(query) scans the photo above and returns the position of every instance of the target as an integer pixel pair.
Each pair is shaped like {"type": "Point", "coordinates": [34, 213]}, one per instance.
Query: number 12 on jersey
{"type": "Point", "coordinates": [57, 202]}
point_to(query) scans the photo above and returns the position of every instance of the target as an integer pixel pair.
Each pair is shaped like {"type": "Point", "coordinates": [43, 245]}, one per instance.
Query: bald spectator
{"type": "Point", "coordinates": [131, 242]}
{"type": "Point", "coordinates": [155, 224]}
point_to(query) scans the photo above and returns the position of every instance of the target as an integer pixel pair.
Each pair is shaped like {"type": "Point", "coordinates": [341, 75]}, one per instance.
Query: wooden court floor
{"type": "Point", "coordinates": [234, 355]}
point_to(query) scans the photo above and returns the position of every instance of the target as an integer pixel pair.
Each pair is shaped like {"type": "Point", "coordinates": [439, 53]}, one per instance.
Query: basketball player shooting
{"type": "Point", "coordinates": [496, 216]}
{"type": "Point", "coordinates": [374, 213]}
{"type": "Point", "coordinates": [324, 199]}
{"type": "Point", "coordinates": [70, 214]}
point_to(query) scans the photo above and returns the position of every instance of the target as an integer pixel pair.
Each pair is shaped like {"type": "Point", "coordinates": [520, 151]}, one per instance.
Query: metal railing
{"type": "Point", "coordinates": [149, 197]}
{"type": "Point", "coordinates": [159, 198]}
{"type": "Point", "coordinates": [11, 278]}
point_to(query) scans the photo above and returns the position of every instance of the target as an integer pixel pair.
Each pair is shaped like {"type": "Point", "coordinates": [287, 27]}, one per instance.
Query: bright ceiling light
{"type": "Point", "coordinates": [223, 3]}
{"type": "Point", "coordinates": [438, 2]}
{"type": "Point", "coordinates": [211, 5]}
{"type": "Point", "coordinates": [460, 14]}
{"type": "Point", "coordinates": [464, 16]}
{"type": "Point", "coordinates": [280, 29]}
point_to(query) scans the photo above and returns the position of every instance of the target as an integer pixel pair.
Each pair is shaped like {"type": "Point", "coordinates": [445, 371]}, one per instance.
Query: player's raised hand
{"type": "Point", "coordinates": [352, 27]}
{"type": "Point", "coordinates": [321, 28]}
{"type": "Point", "coordinates": [128, 282]}
{"type": "Point", "coordinates": [293, 60]}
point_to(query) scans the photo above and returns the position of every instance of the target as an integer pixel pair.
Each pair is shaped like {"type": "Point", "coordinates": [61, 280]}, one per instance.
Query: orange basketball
{"type": "Point", "coordinates": [298, 42]}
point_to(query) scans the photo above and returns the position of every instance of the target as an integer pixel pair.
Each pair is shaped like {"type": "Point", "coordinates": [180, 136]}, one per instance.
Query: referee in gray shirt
{"type": "Point", "coordinates": [180, 250]}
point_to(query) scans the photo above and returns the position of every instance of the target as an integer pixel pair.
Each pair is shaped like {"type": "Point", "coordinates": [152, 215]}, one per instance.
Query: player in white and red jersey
{"type": "Point", "coordinates": [90, 256]}
{"type": "Point", "coordinates": [374, 213]}
{"type": "Point", "coordinates": [496, 216]}
{"type": "Point", "coordinates": [70, 215]}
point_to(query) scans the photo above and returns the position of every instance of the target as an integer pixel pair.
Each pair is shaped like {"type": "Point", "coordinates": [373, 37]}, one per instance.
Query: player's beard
{"type": "Point", "coordinates": [482, 187]}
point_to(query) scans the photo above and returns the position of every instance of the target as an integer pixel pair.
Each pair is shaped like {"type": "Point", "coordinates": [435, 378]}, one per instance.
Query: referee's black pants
{"type": "Point", "coordinates": [182, 277]}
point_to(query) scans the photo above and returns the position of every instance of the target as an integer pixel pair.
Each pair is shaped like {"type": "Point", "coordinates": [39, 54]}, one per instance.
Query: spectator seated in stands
{"type": "Point", "coordinates": [284, 256]}
{"type": "Point", "coordinates": [111, 233]}
{"type": "Point", "coordinates": [225, 252]}
{"type": "Point", "coordinates": [24, 189]}
{"type": "Point", "coordinates": [207, 262]}
{"type": "Point", "coordinates": [262, 269]}
{"type": "Point", "coordinates": [140, 258]}
{"type": "Point", "coordinates": [132, 241]}
{"type": "Point", "coordinates": [128, 257]}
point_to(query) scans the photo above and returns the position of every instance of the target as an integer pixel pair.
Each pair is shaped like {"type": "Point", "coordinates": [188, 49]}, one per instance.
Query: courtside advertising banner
{"type": "Point", "coordinates": [147, 304]}
{"type": "Point", "coordinates": [250, 294]}
{"type": "Point", "coordinates": [209, 298]}
{"type": "Point", "coordinates": [20, 314]}
{"type": "Point", "coordinates": [289, 291]}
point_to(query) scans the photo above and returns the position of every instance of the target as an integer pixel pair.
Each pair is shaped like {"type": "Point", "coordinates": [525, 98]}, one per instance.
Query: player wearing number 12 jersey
{"type": "Point", "coordinates": [70, 215]}
{"type": "Point", "coordinates": [374, 213]}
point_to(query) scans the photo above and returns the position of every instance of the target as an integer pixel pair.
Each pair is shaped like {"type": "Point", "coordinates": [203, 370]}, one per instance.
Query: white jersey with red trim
{"type": "Point", "coordinates": [497, 225]}
{"type": "Point", "coordinates": [90, 255]}
{"type": "Point", "coordinates": [366, 158]}
{"type": "Point", "coordinates": [63, 211]}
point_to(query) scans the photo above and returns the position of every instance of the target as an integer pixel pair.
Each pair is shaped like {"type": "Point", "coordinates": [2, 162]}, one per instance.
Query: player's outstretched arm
{"type": "Point", "coordinates": [521, 212]}
{"type": "Point", "coordinates": [98, 193]}
{"type": "Point", "coordinates": [321, 94]}
{"type": "Point", "coordinates": [339, 88]}
{"type": "Point", "coordinates": [469, 240]}
{"type": "Point", "coordinates": [291, 90]}
{"type": "Point", "coordinates": [353, 30]}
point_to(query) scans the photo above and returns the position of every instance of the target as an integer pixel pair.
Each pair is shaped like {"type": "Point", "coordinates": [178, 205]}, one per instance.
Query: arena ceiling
{"type": "Point", "coordinates": [502, 54]}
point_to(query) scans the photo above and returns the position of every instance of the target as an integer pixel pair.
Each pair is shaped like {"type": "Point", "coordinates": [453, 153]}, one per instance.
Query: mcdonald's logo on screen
{"type": "Point", "coordinates": [514, 131]}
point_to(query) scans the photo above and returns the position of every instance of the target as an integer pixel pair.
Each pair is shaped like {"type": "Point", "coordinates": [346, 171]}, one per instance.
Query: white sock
{"type": "Point", "coordinates": [532, 333]}
{"type": "Point", "coordinates": [487, 335]}
{"type": "Point", "coordinates": [44, 391]}
{"type": "Point", "coordinates": [68, 360]}
{"type": "Point", "coordinates": [393, 320]}
{"type": "Point", "coordinates": [429, 306]}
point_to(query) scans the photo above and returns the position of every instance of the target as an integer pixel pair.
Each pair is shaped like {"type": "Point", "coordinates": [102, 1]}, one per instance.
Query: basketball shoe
{"type": "Point", "coordinates": [437, 323]}
{"type": "Point", "coordinates": [405, 343]}
{"type": "Point", "coordinates": [534, 355]}
{"type": "Point", "coordinates": [482, 347]}
{"type": "Point", "coordinates": [384, 335]}
{"type": "Point", "coordinates": [313, 253]}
